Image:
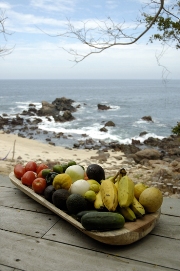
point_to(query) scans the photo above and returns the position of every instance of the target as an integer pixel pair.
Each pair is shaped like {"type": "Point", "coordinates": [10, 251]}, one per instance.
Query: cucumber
{"type": "Point", "coordinates": [102, 221]}
{"type": "Point", "coordinates": [80, 214]}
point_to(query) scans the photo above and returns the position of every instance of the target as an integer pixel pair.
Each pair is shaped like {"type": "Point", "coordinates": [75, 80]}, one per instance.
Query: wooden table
{"type": "Point", "coordinates": [34, 239]}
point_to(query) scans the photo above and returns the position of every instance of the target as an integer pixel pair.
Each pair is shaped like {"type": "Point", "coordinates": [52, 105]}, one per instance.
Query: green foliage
{"type": "Point", "coordinates": [176, 129]}
{"type": "Point", "coordinates": [167, 24]}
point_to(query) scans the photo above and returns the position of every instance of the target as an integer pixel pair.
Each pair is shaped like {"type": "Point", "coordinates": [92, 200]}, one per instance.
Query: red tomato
{"type": "Point", "coordinates": [39, 185]}
{"type": "Point", "coordinates": [40, 174]}
{"type": "Point", "coordinates": [31, 166]}
{"type": "Point", "coordinates": [19, 171]}
{"type": "Point", "coordinates": [28, 178]}
{"type": "Point", "coordinates": [40, 167]}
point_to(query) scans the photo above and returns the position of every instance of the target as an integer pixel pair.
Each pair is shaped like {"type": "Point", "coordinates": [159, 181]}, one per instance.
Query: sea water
{"type": "Point", "coordinates": [129, 100]}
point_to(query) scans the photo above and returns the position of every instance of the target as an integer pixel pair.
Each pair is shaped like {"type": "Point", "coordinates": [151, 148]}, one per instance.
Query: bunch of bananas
{"type": "Point", "coordinates": [117, 194]}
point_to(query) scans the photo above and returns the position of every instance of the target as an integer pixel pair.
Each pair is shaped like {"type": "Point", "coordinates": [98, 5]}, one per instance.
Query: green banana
{"type": "Point", "coordinates": [137, 208]}
{"type": "Point", "coordinates": [125, 191]}
{"type": "Point", "coordinates": [98, 203]}
{"type": "Point", "coordinates": [127, 213]}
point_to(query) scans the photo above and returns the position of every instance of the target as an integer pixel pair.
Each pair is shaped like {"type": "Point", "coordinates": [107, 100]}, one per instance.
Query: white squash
{"type": "Point", "coordinates": [79, 187]}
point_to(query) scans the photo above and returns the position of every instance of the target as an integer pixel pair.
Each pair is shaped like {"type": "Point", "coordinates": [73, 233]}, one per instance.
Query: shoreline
{"type": "Point", "coordinates": [15, 149]}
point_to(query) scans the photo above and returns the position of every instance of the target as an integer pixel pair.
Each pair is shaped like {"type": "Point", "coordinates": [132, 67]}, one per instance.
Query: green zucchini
{"type": "Point", "coordinates": [102, 221]}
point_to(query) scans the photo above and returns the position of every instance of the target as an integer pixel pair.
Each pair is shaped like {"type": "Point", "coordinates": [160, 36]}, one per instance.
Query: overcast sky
{"type": "Point", "coordinates": [38, 53]}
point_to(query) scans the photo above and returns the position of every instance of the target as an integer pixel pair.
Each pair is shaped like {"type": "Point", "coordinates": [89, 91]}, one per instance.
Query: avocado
{"type": "Point", "coordinates": [95, 172]}
{"type": "Point", "coordinates": [76, 203]}
{"type": "Point", "coordinates": [60, 197]}
{"type": "Point", "coordinates": [48, 192]}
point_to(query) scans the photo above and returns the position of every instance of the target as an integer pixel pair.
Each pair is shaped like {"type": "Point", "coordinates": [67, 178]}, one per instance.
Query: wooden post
{"type": "Point", "coordinates": [13, 150]}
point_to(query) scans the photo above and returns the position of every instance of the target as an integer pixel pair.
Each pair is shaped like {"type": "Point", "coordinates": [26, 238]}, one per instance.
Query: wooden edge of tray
{"type": "Point", "coordinates": [130, 233]}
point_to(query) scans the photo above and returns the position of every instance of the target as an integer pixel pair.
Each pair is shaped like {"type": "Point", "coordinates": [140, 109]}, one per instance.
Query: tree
{"type": "Point", "coordinates": [3, 49]}
{"type": "Point", "coordinates": [167, 24]}
{"type": "Point", "coordinates": [108, 33]}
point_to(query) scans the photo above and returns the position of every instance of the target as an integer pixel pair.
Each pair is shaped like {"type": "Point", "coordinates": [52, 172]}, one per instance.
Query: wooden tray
{"type": "Point", "coordinates": [130, 233]}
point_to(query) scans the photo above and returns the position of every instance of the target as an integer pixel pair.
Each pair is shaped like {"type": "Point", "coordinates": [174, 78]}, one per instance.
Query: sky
{"type": "Point", "coordinates": [40, 52]}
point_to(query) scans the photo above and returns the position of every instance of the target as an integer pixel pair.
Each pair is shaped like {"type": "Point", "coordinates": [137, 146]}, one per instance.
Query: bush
{"type": "Point", "coordinates": [176, 129]}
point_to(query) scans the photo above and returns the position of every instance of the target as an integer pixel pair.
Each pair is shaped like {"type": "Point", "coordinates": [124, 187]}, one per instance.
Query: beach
{"type": "Point", "coordinates": [15, 149]}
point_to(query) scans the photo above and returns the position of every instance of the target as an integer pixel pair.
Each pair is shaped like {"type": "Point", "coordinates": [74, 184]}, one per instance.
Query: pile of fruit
{"type": "Point", "coordinates": [99, 203]}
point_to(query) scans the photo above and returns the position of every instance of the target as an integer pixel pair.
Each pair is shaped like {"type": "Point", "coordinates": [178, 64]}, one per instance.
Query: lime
{"type": "Point", "coordinates": [71, 163]}
{"type": "Point", "coordinates": [64, 166]}
{"type": "Point", "coordinates": [94, 187]}
{"type": "Point", "coordinates": [90, 196]}
{"type": "Point", "coordinates": [45, 172]}
{"type": "Point", "coordinates": [58, 168]}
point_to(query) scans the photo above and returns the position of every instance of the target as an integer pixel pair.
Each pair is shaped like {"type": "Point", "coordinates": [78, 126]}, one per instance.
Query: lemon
{"type": "Point", "coordinates": [151, 199]}
{"type": "Point", "coordinates": [138, 189]}
{"type": "Point", "coordinates": [62, 181]}
{"type": "Point", "coordinates": [90, 195]}
{"type": "Point", "coordinates": [94, 187]}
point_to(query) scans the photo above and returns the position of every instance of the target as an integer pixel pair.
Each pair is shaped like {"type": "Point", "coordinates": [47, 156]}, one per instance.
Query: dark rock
{"type": "Point", "coordinates": [68, 116]}
{"type": "Point", "coordinates": [147, 118]}
{"type": "Point", "coordinates": [17, 121]}
{"type": "Point", "coordinates": [52, 143]}
{"type": "Point", "coordinates": [134, 142]}
{"type": "Point", "coordinates": [103, 107]}
{"type": "Point", "coordinates": [152, 141]}
{"type": "Point", "coordinates": [47, 109]}
{"type": "Point", "coordinates": [143, 133]}
{"type": "Point", "coordinates": [63, 104]}
{"type": "Point", "coordinates": [103, 129]}
{"type": "Point", "coordinates": [109, 123]}
{"type": "Point", "coordinates": [36, 121]}
{"type": "Point", "coordinates": [150, 154]}
{"type": "Point", "coordinates": [3, 121]}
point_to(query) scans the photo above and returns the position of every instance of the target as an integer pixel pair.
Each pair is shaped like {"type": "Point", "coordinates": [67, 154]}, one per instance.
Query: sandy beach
{"type": "Point", "coordinates": [15, 149]}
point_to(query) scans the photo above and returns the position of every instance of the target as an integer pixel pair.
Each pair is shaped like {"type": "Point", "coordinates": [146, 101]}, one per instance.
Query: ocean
{"type": "Point", "coordinates": [130, 100]}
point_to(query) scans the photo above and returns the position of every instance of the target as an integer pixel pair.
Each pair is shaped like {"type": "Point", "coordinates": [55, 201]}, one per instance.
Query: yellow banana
{"type": "Point", "coordinates": [127, 213]}
{"type": "Point", "coordinates": [109, 195]}
{"type": "Point", "coordinates": [125, 191]}
{"type": "Point", "coordinates": [119, 175]}
{"type": "Point", "coordinates": [137, 208]}
{"type": "Point", "coordinates": [98, 203]}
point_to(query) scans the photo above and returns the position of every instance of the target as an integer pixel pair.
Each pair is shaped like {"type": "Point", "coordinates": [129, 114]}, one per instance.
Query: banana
{"type": "Point", "coordinates": [98, 203]}
{"type": "Point", "coordinates": [109, 194]}
{"type": "Point", "coordinates": [120, 174]}
{"type": "Point", "coordinates": [128, 213]}
{"type": "Point", "coordinates": [125, 191]}
{"type": "Point", "coordinates": [137, 208]}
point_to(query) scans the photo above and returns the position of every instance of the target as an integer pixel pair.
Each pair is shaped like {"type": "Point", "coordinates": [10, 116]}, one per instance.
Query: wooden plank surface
{"type": "Point", "coordinates": [9, 196]}
{"type": "Point", "coordinates": [61, 245]}
{"type": "Point", "coordinates": [151, 249]}
{"type": "Point", "coordinates": [21, 221]}
{"type": "Point", "coordinates": [168, 226]}
{"type": "Point", "coordinates": [35, 254]}
{"type": "Point", "coordinates": [171, 207]}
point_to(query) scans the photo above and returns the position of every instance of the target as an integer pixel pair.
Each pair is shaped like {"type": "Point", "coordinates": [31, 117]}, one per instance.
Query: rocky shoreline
{"type": "Point", "coordinates": [159, 158]}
